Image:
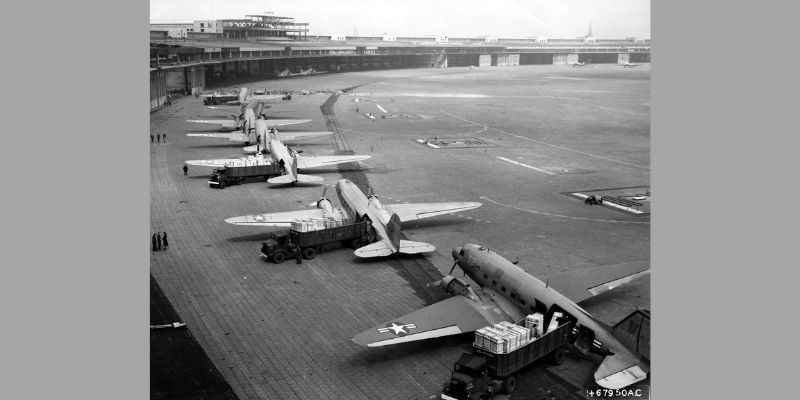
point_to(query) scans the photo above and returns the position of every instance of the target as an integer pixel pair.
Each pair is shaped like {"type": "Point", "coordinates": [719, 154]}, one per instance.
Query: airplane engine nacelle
{"type": "Point", "coordinates": [325, 204]}
{"type": "Point", "coordinates": [375, 202]}
{"type": "Point", "coordinates": [457, 287]}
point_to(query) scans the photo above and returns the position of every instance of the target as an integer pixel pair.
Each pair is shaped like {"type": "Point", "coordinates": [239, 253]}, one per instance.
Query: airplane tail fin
{"type": "Point", "coordinates": [393, 229]}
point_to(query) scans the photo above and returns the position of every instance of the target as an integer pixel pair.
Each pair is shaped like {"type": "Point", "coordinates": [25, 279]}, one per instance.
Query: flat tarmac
{"type": "Point", "coordinates": [518, 139]}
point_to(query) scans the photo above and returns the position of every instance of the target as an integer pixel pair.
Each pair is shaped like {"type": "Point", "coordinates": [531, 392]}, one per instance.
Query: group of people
{"type": "Point", "coordinates": [159, 137]}
{"type": "Point", "coordinates": [160, 241]}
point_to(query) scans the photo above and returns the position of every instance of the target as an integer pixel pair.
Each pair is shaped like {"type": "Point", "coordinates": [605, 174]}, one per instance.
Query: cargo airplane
{"type": "Point", "coordinates": [578, 64]}
{"type": "Point", "coordinates": [289, 162]}
{"type": "Point", "coordinates": [247, 124]}
{"type": "Point", "coordinates": [508, 293]}
{"type": "Point", "coordinates": [385, 219]}
{"type": "Point", "coordinates": [629, 65]}
{"type": "Point", "coordinates": [264, 135]}
{"type": "Point", "coordinates": [236, 100]}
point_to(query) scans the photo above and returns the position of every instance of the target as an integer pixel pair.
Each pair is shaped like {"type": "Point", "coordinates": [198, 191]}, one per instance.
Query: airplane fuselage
{"type": "Point", "coordinates": [358, 205]}
{"type": "Point", "coordinates": [529, 294]}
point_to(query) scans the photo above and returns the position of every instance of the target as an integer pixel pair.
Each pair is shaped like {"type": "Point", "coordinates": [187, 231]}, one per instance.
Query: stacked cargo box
{"type": "Point", "coordinates": [535, 322]}
{"type": "Point", "coordinates": [502, 338]}
{"type": "Point", "coordinates": [506, 337]}
{"type": "Point", "coordinates": [316, 224]}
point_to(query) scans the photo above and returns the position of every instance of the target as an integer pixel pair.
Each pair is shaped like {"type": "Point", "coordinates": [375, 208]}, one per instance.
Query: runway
{"type": "Point", "coordinates": [283, 331]}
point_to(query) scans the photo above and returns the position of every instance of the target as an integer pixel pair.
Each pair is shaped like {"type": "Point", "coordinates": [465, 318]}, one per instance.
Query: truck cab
{"type": "Point", "coordinates": [470, 380]}
{"type": "Point", "coordinates": [277, 247]}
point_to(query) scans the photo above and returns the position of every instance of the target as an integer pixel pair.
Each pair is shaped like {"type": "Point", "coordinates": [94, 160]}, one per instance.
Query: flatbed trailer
{"type": "Point", "coordinates": [286, 244]}
{"type": "Point", "coordinates": [483, 374]}
{"type": "Point", "coordinates": [236, 175]}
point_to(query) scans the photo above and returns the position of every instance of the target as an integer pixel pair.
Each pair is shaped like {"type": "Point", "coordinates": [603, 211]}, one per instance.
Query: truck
{"type": "Point", "coordinates": [287, 243]}
{"type": "Point", "coordinates": [483, 373]}
{"type": "Point", "coordinates": [236, 175]}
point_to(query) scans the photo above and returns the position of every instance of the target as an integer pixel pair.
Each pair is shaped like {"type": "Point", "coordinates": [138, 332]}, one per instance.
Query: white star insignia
{"type": "Point", "coordinates": [398, 328]}
{"type": "Point", "coordinates": [259, 218]}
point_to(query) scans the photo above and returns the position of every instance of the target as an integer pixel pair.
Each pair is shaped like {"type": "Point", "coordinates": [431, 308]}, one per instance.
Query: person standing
{"type": "Point", "coordinates": [158, 240]}
{"type": "Point", "coordinates": [151, 138]}
{"type": "Point", "coordinates": [299, 256]}
{"type": "Point", "coordinates": [166, 243]}
{"type": "Point", "coordinates": [158, 137]}
{"type": "Point", "coordinates": [185, 170]}
{"type": "Point", "coordinates": [155, 244]}
{"type": "Point", "coordinates": [164, 137]}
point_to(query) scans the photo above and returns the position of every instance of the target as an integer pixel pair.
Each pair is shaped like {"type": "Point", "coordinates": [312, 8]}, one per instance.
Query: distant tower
{"type": "Point", "coordinates": [590, 29]}
{"type": "Point", "coordinates": [355, 30]}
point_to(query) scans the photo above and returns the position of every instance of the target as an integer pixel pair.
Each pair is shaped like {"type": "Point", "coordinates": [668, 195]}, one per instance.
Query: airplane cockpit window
{"type": "Point", "coordinates": [483, 248]}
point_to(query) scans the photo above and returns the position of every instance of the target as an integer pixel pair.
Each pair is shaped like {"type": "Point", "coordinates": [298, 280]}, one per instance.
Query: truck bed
{"type": "Point", "coordinates": [501, 365]}
{"type": "Point", "coordinates": [322, 236]}
{"type": "Point", "coordinates": [255, 170]}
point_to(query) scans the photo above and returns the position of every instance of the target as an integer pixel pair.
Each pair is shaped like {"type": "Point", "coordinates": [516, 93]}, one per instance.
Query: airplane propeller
{"type": "Point", "coordinates": [324, 191]}
{"type": "Point", "coordinates": [439, 281]}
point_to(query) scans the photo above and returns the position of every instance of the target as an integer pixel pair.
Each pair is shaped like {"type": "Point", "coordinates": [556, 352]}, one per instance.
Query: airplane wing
{"type": "Point", "coordinates": [232, 136]}
{"type": "Point", "coordinates": [618, 371]}
{"type": "Point", "coordinates": [583, 284]}
{"type": "Point", "coordinates": [451, 316]}
{"type": "Point", "coordinates": [218, 163]}
{"type": "Point", "coordinates": [275, 219]}
{"type": "Point", "coordinates": [282, 122]}
{"type": "Point", "coordinates": [228, 123]}
{"type": "Point", "coordinates": [321, 161]}
{"type": "Point", "coordinates": [408, 212]}
{"type": "Point", "coordinates": [284, 136]}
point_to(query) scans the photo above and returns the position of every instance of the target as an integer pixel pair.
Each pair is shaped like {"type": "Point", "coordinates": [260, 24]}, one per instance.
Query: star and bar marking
{"type": "Point", "coordinates": [399, 329]}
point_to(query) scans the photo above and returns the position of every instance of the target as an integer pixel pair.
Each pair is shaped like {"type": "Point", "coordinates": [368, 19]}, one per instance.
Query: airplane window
{"type": "Point", "coordinates": [513, 295]}
{"type": "Point", "coordinates": [503, 288]}
{"type": "Point", "coordinates": [494, 283]}
{"type": "Point", "coordinates": [522, 301]}
{"type": "Point", "coordinates": [483, 248]}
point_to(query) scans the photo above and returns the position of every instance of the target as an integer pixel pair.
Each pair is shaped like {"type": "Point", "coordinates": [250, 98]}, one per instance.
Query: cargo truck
{"type": "Point", "coordinates": [484, 373]}
{"type": "Point", "coordinates": [236, 175]}
{"type": "Point", "coordinates": [287, 243]}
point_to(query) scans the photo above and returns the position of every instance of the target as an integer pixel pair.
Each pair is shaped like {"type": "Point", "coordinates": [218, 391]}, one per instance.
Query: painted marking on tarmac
{"type": "Point", "coordinates": [526, 166]}
{"type": "Point", "coordinates": [548, 144]}
{"type": "Point", "coordinates": [381, 108]}
{"type": "Point", "coordinates": [612, 204]}
{"type": "Point", "coordinates": [564, 216]}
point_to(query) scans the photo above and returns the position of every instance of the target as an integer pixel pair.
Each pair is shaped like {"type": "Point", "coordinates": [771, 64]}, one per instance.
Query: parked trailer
{"type": "Point", "coordinates": [227, 176]}
{"type": "Point", "coordinates": [483, 374]}
{"type": "Point", "coordinates": [286, 244]}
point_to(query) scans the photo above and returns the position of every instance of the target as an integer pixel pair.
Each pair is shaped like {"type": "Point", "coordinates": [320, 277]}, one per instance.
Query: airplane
{"type": "Point", "coordinates": [247, 124]}
{"type": "Point", "coordinates": [629, 65]}
{"type": "Point", "coordinates": [289, 162]}
{"type": "Point", "coordinates": [385, 219]}
{"type": "Point", "coordinates": [578, 64]}
{"type": "Point", "coordinates": [508, 293]}
{"type": "Point", "coordinates": [236, 100]}
{"type": "Point", "coordinates": [310, 71]}
{"type": "Point", "coordinates": [264, 135]}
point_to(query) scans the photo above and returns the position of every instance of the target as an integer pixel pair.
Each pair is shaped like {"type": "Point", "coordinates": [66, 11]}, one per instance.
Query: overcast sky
{"type": "Point", "coordinates": [500, 18]}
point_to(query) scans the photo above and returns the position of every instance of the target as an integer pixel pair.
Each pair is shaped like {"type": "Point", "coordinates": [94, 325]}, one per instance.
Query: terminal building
{"type": "Point", "coordinates": [263, 47]}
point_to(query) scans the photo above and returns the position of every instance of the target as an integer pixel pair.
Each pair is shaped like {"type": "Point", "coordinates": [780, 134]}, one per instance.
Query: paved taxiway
{"type": "Point", "coordinates": [283, 331]}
